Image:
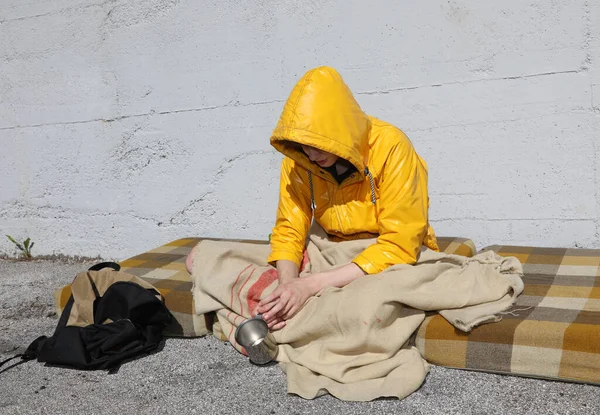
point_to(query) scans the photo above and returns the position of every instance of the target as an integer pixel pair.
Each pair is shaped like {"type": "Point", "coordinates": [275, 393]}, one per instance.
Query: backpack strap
{"type": "Point", "coordinates": [97, 267]}
{"type": "Point", "coordinates": [108, 264]}
{"type": "Point", "coordinates": [30, 354]}
{"type": "Point", "coordinates": [11, 358]}
{"type": "Point", "coordinates": [33, 350]}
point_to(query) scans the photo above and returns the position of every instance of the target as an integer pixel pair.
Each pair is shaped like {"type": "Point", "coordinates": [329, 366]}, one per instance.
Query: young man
{"type": "Point", "coordinates": [356, 176]}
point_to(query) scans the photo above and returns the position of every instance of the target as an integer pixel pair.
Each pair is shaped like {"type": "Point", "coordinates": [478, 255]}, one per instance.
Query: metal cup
{"type": "Point", "coordinates": [253, 335]}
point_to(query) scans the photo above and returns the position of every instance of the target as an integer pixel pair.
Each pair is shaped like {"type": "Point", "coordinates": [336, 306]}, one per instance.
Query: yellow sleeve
{"type": "Point", "coordinates": [294, 214]}
{"type": "Point", "coordinates": [403, 211]}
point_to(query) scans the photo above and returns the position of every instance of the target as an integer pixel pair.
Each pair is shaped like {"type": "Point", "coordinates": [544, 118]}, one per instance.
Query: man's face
{"type": "Point", "coordinates": [322, 158]}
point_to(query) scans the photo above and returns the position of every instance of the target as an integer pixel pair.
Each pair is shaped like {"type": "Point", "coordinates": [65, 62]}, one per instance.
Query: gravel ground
{"type": "Point", "coordinates": [209, 377]}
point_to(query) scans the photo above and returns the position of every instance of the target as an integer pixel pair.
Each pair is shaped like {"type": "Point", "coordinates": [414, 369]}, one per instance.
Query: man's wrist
{"type": "Point", "coordinates": [315, 283]}
{"type": "Point", "coordinates": [283, 278]}
{"type": "Point", "coordinates": [286, 271]}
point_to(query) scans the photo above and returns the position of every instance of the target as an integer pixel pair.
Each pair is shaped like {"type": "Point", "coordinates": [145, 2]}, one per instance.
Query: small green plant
{"type": "Point", "coordinates": [25, 247]}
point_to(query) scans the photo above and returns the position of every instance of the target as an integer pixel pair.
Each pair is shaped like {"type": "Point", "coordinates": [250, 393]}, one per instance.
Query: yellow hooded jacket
{"type": "Point", "coordinates": [385, 198]}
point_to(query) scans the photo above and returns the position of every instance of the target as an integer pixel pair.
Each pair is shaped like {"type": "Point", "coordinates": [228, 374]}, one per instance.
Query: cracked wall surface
{"type": "Point", "coordinates": [125, 124]}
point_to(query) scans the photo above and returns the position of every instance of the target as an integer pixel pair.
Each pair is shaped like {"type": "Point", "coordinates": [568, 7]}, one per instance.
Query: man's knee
{"type": "Point", "coordinates": [188, 262]}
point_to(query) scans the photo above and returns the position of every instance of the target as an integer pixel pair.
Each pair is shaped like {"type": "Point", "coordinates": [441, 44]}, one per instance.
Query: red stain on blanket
{"type": "Point", "coordinates": [305, 261]}
{"type": "Point", "coordinates": [234, 285]}
{"type": "Point", "coordinates": [241, 290]}
{"type": "Point", "coordinates": [254, 293]}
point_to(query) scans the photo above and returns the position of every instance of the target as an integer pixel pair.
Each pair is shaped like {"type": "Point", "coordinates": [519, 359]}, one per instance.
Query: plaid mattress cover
{"type": "Point", "coordinates": [552, 332]}
{"type": "Point", "coordinates": [164, 268]}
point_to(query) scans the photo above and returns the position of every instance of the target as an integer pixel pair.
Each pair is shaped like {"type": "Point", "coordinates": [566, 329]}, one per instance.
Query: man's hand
{"type": "Point", "coordinates": [291, 294]}
{"type": "Point", "coordinates": [287, 299]}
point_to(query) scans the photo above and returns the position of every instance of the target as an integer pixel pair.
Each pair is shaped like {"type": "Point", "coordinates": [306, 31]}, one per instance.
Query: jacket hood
{"type": "Point", "coordinates": [321, 112]}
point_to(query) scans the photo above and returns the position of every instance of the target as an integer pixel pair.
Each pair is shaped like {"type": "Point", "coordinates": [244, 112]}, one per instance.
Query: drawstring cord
{"type": "Point", "coordinates": [372, 183]}
{"type": "Point", "coordinates": [312, 192]}
{"type": "Point", "coordinates": [313, 206]}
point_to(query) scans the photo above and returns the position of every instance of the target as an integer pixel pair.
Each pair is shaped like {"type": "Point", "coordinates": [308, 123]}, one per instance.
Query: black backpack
{"type": "Point", "coordinates": [128, 323]}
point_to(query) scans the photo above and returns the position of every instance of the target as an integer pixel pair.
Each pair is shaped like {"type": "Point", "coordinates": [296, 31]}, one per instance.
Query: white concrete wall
{"type": "Point", "coordinates": [128, 123]}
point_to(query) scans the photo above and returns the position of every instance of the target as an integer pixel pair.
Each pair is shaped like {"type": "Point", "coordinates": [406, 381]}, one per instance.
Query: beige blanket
{"type": "Point", "coordinates": [354, 342]}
